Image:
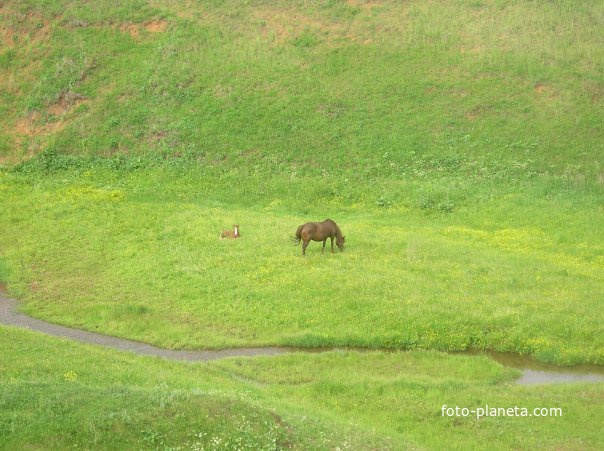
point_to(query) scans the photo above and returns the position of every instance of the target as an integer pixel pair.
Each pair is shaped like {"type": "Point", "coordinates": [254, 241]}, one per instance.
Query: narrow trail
{"type": "Point", "coordinates": [532, 372]}
{"type": "Point", "coordinates": [10, 316]}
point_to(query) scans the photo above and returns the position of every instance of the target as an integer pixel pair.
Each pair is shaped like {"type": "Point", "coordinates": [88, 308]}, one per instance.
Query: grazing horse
{"type": "Point", "coordinates": [230, 234]}
{"type": "Point", "coordinates": [319, 231]}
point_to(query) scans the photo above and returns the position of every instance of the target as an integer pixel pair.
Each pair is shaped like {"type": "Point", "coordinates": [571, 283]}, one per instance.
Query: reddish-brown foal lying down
{"type": "Point", "coordinates": [230, 234]}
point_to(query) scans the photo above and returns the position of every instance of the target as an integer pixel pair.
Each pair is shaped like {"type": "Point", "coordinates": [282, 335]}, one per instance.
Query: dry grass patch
{"type": "Point", "coordinates": [476, 113]}
{"type": "Point", "coordinates": [287, 25]}
{"type": "Point", "coordinates": [366, 5]}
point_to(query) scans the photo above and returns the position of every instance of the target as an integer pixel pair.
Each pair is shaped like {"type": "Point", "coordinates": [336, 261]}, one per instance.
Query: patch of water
{"type": "Point", "coordinates": [532, 372]}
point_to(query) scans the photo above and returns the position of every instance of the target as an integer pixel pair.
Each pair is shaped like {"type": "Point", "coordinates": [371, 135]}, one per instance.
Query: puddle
{"type": "Point", "coordinates": [532, 372]}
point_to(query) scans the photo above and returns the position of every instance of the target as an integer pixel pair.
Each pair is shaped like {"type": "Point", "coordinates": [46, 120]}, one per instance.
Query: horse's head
{"type": "Point", "coordinates": [340, 242]}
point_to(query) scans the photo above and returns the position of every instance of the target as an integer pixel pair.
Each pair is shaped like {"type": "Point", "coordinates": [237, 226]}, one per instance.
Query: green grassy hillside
{"type": "Point", "coordinates": [382, 88]}
{"type": "Point", "coordinates": [458, 144]}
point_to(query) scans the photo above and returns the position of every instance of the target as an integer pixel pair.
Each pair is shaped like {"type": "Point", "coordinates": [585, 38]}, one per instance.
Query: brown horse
{"type": "Point", "coordinates": [319, 231]}
{"type": "Point", "coordinates": [230, 233]}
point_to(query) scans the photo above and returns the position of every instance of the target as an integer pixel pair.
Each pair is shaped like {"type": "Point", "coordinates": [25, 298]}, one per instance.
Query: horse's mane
{"type": "Point", "coordinates": [338, 231]}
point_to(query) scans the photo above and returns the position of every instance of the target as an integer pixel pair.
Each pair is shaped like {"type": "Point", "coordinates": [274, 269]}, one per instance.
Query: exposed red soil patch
{"type": "Point", "coordinates": [8, 36]}
{"type": "Point", "coordinates": [540, 88]}
{"type": "Point", "coordinates": [41, 33]}
{"type": "Point", "coordinates": [156, 26]}
{"type": "Point", "coordinates": [34, 125]}
{"type": "Point", "coordinates": [28, 26]}
{"type": "Point", "coordinates": [31, 125]}
{"type": "Point", "coordinates": [131, 28]}
{"type": "Point", "coordinates": [545, 92]}
{"type": "Point", "coordinates": [67, 100]}
{"type": "Point", "coordinates": [276, 27]}
{"type": "Point", "coordinates": [37, 124]}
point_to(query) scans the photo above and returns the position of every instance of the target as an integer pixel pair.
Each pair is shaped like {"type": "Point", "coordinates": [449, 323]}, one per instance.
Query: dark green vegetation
{"type": "Point", "coordinates": [82, 396]}
{"type": "Point", "coordinates": [459, 145]}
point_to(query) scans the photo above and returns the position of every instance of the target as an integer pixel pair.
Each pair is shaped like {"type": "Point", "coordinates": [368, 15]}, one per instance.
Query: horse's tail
{"type": "Point", "coordinates": [298, 237]}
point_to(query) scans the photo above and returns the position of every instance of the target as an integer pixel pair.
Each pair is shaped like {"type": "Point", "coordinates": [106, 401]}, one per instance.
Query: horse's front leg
{"type": "Point", "coordinates": [323, 250]}
{"type": "Point", "coordinates": [331, 238]}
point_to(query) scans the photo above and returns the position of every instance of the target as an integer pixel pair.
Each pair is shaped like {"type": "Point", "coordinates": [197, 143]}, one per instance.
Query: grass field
{"type": "Point", "coordinates": [156, 271]}
{"type": "Point", "coordinates": [57, 394]}
{"type": "Point", "coordinates": [459, 145]}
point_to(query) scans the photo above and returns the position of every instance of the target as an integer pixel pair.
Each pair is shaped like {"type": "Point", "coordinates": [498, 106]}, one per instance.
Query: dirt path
{"type": "Point", "coordinates": [532, 372]}
{"type": "Point", "coordinates": [10, 316]}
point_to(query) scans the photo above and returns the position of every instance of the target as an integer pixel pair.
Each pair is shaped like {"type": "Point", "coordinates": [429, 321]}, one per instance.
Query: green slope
{"type": "Point", "coordinates": [338, 86]}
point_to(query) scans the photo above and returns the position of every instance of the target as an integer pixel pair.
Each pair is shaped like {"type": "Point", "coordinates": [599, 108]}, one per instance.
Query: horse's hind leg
{"type": "Point", "coordinates": [304, 244]}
